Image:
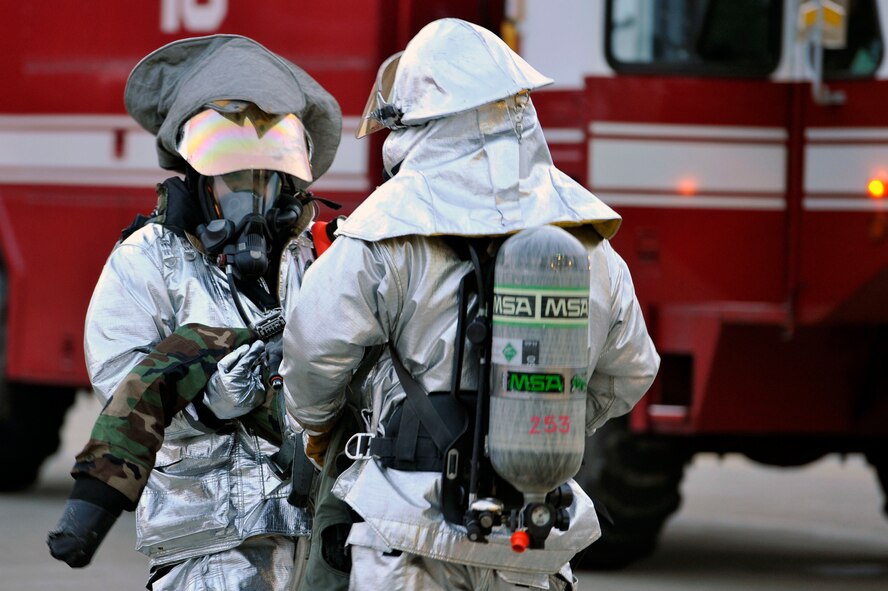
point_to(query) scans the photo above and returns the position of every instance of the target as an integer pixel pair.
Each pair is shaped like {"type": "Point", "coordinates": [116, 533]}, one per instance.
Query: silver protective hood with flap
{"type": "Point", "coordinates": [450, 66]}
{"type": "Point", "coordinates": [175, 82]}
{"type": "Point", "coordinates": [470, 175]}
{"type": "Point", "coordinates": [471, 155]}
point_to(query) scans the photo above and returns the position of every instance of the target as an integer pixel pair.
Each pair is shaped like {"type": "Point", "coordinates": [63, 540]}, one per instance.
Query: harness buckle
{"type": "Point", "coordinates": [361, 446]}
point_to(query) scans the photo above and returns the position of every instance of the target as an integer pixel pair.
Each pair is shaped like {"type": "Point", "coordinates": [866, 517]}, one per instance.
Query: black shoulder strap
{"type": "Point", "coordinates": [177, 209]}
{"type": "Point", "coordinates": [443, 420]}
{"type": "Point", "coordinates": [183, 212]}
{"type": "Point", "coordinates": [481, 252]}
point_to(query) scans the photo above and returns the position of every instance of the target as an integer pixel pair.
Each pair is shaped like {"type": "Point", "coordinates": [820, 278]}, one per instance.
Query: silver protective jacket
{"type": "Point", "coordinates": [401, 292]}
{"type": "Point", "coordinates": [209, 490]}
{"type": "Point", "coordinates": [390, 280]}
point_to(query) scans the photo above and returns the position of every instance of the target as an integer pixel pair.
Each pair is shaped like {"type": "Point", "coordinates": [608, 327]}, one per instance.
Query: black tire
{"type": "Point", "coordinates": [30, 419]}
{"type": "Point", "coordinates": [634, 480]}
{"type": "Point", "coordinates": [30, 432]}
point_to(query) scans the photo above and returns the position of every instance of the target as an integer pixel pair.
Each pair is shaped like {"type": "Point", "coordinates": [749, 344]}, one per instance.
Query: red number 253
{"type": "Point", "coordinates": [549, 424]}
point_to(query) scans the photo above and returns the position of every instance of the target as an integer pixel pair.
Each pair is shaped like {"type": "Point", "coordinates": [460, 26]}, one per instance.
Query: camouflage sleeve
{"type": "Point", "coordinates": [130, 429]}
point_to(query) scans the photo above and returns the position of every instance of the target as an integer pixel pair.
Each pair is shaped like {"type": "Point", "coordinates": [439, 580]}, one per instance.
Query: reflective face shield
{"type": "Point", "coordinates": [245, 192]}
{"type": "Point", "coordinates": [216, 143]}
{"type": "Point", "coordinates": [379, 112]}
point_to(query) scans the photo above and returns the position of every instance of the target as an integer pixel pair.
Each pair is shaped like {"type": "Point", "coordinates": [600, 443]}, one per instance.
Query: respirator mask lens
{"type": "Point", "coordinates": [245, 192]}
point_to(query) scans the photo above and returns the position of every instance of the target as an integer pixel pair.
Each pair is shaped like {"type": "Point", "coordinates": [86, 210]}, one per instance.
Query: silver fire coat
{"type": "Point", "coordinates": [390, 279]}
{"type": "Point", "coordinates": [210, 490]}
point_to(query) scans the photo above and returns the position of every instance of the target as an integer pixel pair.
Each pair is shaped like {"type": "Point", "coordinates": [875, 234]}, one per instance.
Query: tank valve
{"type": "Point", "coordinates": [520, 541]}
{"type": "Point", "coordinates": [483, 515]}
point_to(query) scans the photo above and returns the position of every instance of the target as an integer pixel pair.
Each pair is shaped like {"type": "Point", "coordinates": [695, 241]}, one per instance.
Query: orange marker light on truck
{"type": "Point", "coordinates": [687, 186]}
{"type": "Point", "coordinates": [876, 188]}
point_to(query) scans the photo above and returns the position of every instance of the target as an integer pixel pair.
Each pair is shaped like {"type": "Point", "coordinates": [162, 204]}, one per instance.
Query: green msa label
{"type": "Point", "coordinates": [544, 383]}
{"type": "Point", "coordinates": [568, 307]}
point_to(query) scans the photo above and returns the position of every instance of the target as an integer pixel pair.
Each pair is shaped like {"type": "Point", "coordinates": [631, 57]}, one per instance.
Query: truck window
{"type": "Point", "coordinates": [862, 53]}
{"type": "Point", "coordinates": [699, 37]}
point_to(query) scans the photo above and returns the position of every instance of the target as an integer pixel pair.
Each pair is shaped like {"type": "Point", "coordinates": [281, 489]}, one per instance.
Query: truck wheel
{"type": "Point", "coordinates": [29, 433]}
{"type": "Point", "coordinates": [879, 461]}
{"type": "Point", "coordinates": [634, 479]}
{"type": "Point", "coordinates": [30, 418]}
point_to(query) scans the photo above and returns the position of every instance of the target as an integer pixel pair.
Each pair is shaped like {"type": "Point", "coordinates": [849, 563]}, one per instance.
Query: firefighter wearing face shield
{"type": "Point", "coordinates": [469, 168]}
{"type": "Point", "coordinates": [226, 247]}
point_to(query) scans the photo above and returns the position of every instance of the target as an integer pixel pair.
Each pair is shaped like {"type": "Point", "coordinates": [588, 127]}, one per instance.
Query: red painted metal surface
{"type": "Point", "coordinates": [775, 308]}
{"type": "Point", "coordinates": [56, 239]}
{"type": "Point", "coordinates": [687, 255]}
{"type": "Point", "coordinates": [701, 101]}
{"type": "Point", "coordinates": [843, 265]}
{"type": "Point", "coordinates": [73, 59]}
{"type": "Point", "coordinates": [564, 110]}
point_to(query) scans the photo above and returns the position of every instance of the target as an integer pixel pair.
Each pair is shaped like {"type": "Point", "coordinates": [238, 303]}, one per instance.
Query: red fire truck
{"type": "Point", "coordinates": [745, 143]}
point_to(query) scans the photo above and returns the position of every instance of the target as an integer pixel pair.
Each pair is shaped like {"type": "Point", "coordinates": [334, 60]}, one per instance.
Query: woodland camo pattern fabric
{"type": "Point", "coordinates": [129, 431]}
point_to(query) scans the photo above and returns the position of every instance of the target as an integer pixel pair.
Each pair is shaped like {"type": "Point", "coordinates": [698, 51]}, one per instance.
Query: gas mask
{"type": "Point", "coordinates": [247, 162]}
{"type": "Point", "coordinates": [243, 219]}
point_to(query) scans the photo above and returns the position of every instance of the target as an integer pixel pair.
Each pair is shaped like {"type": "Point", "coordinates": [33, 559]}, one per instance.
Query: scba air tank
{"type": "Point", "coordinates": [540, 357]}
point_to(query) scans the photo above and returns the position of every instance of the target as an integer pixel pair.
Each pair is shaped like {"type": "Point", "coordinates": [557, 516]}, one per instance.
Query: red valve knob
{"type": "Point", "coordinates": [520, 541]}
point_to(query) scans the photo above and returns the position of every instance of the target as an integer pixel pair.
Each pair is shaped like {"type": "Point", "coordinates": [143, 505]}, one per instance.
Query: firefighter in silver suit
{"type": "Point", "coordinates": [466, 158]}
{"type": "Point", "coordinates": [247, 130]}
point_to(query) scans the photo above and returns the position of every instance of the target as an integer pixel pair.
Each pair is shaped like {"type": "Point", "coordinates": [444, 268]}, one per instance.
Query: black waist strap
{"type": "Point", "coordinates": [421, 430]}
{"type": "Point", "coordinates": [425, 458]}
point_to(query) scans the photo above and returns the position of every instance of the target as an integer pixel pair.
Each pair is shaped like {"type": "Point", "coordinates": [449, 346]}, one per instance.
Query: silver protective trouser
{"type": "Point", "coordinates": [267, 563]}
{"type": "Point", "coordinates": [373, 570]}
{"type": "Point", "coordinates": [210, 489]}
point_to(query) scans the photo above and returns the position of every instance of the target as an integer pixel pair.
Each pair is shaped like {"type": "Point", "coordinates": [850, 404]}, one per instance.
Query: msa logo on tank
{"type": "Point", "coordinates": [541, 306]}
{"type": "Point", "coordinates": [543, 383]}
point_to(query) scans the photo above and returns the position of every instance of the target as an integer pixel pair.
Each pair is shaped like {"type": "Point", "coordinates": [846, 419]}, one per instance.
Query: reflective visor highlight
{"type": "Point", "coordinates": [214, 144]}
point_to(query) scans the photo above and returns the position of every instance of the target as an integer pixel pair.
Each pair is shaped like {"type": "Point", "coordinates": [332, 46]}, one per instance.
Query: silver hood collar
{"type": "Point", "coordinates": [487, 171]}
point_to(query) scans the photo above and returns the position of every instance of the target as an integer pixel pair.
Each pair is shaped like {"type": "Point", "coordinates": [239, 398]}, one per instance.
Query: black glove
{"type": "Point", "coordinates": [79, 532]}
{"type": "Point", "coordinates": [89, 513]}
